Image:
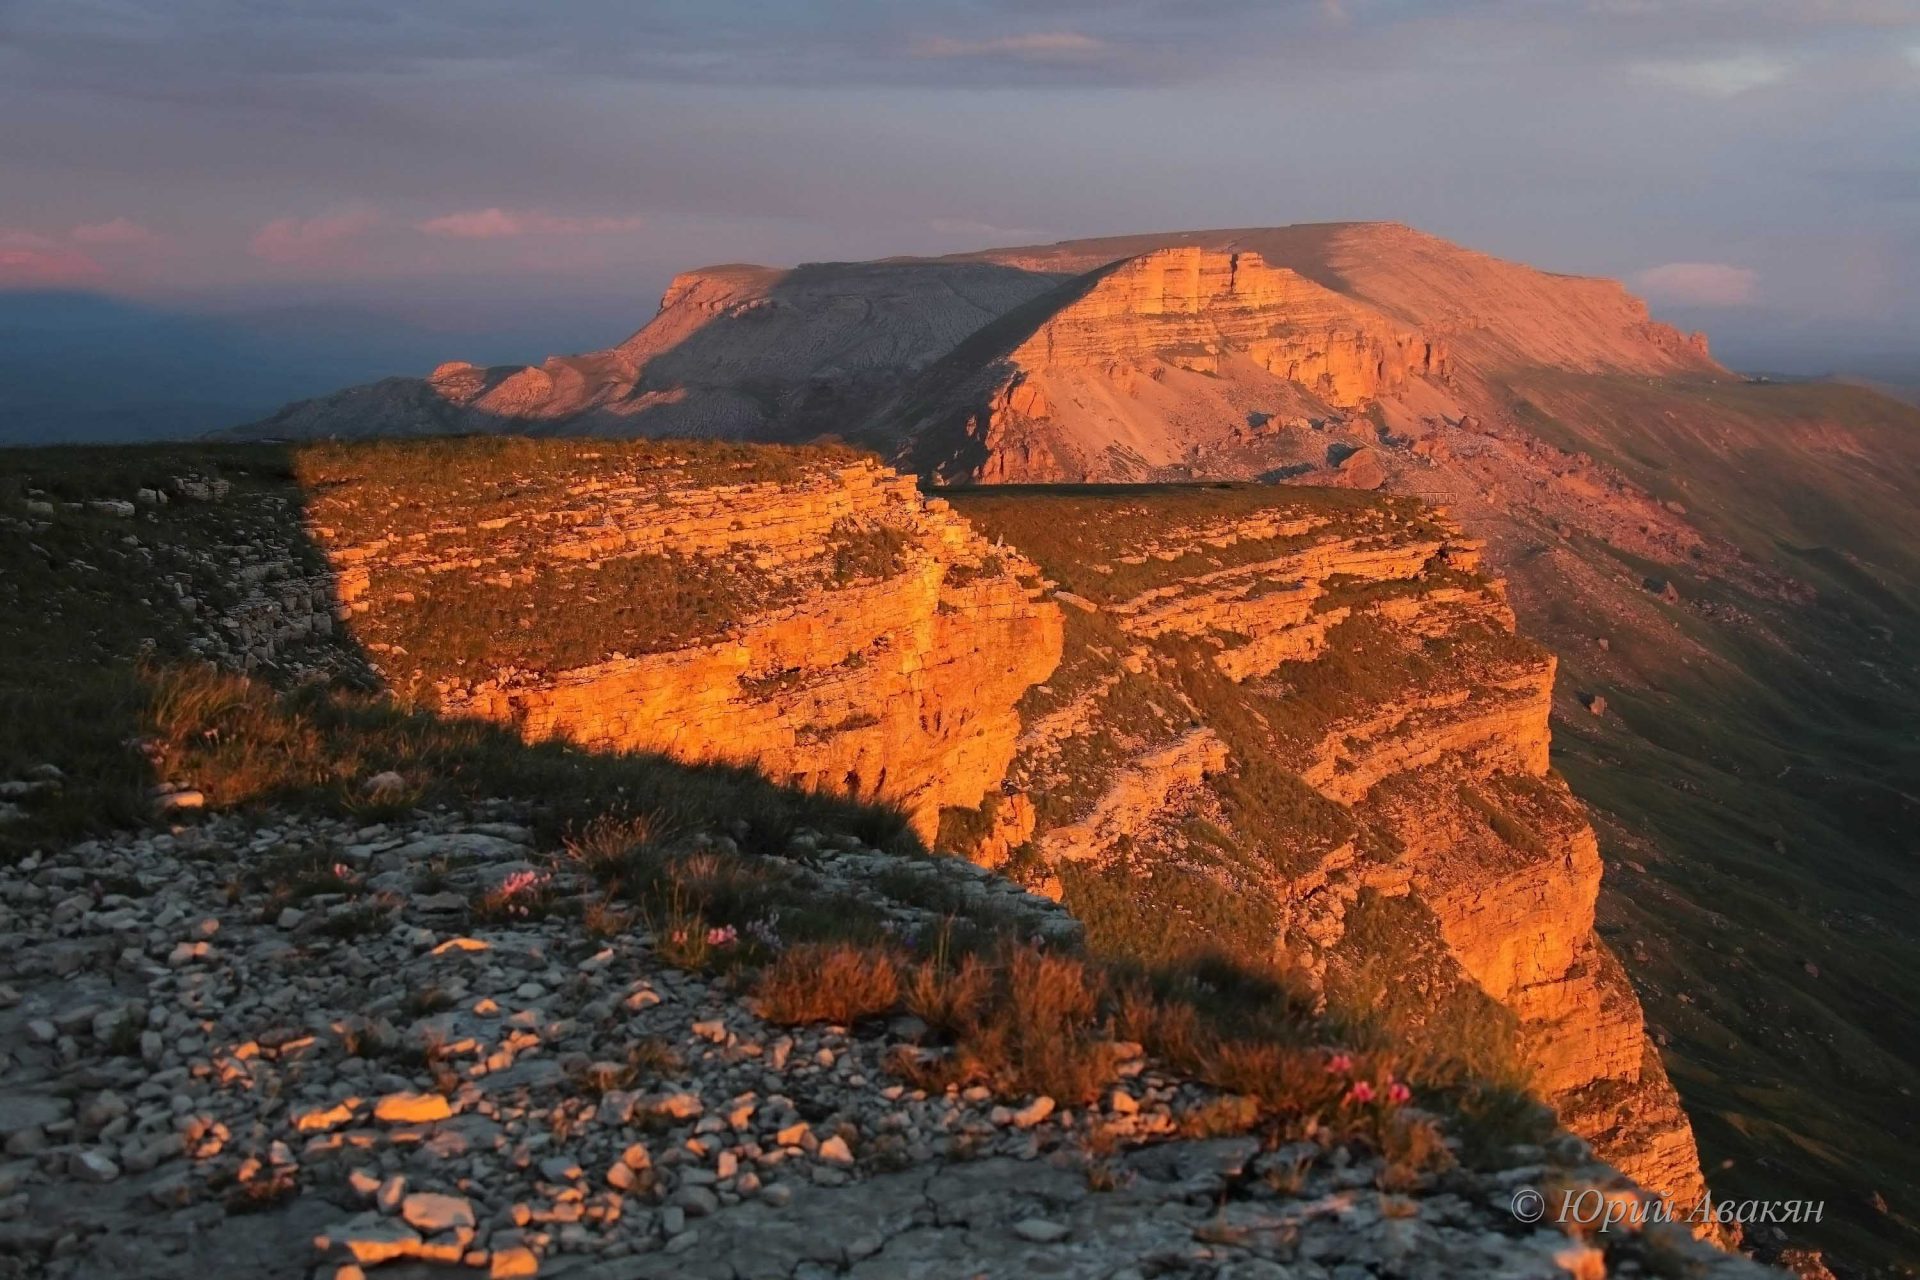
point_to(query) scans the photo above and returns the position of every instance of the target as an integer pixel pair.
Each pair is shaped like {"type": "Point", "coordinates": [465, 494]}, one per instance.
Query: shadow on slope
{"type": "Point", "coordinates": [1755, 778]}
{"type": "Point", "coordinates": [109, 678]}
{"type": "Point", "coordinates": [734, 353]}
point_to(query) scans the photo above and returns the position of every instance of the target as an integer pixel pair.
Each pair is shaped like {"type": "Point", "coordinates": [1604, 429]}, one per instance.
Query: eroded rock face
{"type": "Point", "coordinates": [868, 641]}
{"type": "Point", "coordinates": [1308, 701]}
{"type": "Point", "coordinates": [1370, 729]}
{"type": "Point", "coordinates": [1090, 378]}
{"type": "Point", "coordinates": [1191, 307]}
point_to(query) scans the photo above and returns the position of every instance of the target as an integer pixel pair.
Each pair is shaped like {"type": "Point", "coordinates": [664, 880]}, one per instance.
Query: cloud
{"type": "Point", "coordinates": [303, 239]}
{"type": "Point", "coordinates": [31, 260]}
{"type": "Point", "coordinates": [1038, 46]}
{"type": "Point", "coordinates": [1724, 77]}
{"type": "Point", "coordinates": [117, 231]}
{"type": "Point", "coordinates": [1698, 284]}
{"type": "Point", "coordinates": [496, 224]}
{"type": "Point", "coordinates": [19, 238]}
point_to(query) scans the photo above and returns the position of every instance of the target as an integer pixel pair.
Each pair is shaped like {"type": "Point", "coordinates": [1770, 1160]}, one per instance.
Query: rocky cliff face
{"type": "Point", "coordinates": [1306, 705]}
{"type": "Point", "coordinates": [1290, 727]}
{"type": "Point", "coordinates": [1276, 715]}
{"type": "Point", "coordinates": [1277, 353]}
{"type": "Point", "coordinates": [831, 627]}
{"type": "Point", "coordinates": [1203, 339]}
{"type": "Point", "coordinates": [1189, 306]}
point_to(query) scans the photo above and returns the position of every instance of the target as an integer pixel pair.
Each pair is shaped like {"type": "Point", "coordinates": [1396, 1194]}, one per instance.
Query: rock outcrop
{"type": "Point", "coordinates": [1196, 339]}
{"type": "Point", "coordinates": [1371, 727]}
{"type": "Point", "coordinates": [1223, 648]}
{"type": "Point", "coordinates": [858, 638]}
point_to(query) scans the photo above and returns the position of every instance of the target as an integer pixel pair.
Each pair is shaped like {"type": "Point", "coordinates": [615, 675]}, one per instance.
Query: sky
{"type": "Point", "coordinates": [366, 186]}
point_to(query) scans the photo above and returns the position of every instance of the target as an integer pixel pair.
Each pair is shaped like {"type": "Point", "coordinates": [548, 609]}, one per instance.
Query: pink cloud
{"type": "Point", "coordinates": [305, 239]}
{"type": "Point", "coordinates": [1699, 284]}
{"type": "Point", "coordinates": [496, 224]}
{"type": "Point", "coordinates": [116, 231]}
{"type": "Point", "coordinates": [20, 238]}
{"type": "Point", "coordinates": [31, 260]}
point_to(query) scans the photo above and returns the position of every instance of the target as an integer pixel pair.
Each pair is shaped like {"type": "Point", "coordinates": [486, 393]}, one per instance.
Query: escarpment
{"type": "Point", "coordinates": [1289, 725]}
{"type": "Point", "coordinates": [826, 624]}
{"type": "Point", "coordinates": [1292, 728]}
{"type": "Point", "coordinates": [1300, 724]}
{"type": "Point", "coordinates": [1138, 364]}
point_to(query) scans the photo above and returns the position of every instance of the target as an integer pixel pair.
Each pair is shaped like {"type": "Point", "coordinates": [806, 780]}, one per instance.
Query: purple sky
{"type": "Point", "coordinates": [1751, 165]}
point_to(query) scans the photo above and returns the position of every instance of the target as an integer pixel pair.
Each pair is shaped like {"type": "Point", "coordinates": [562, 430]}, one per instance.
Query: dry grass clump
{"type": "Point", "coordinates": [240, 741]}
{"type": "Point", "coordinates": [524, 895]}
{"type": "Point", "coordinates": [828, 982]}
{"type": "Point", "coordinates": [1023, 1022]}
{"type": "Point", "coordinates": [605, 846]}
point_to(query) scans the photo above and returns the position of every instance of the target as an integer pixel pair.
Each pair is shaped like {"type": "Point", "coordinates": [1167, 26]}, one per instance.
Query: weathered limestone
{"type": "Point", "coordinates": [897, 686]}
{"type": "Point", "coordinates": [1137, 794]}
{"type": "Point", "coordinates": [1186, 305]}
{"type": "Point", "coordinates": [1451, 765]}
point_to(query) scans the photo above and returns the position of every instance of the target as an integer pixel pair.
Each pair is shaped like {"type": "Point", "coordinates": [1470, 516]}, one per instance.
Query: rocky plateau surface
{"type": "Point", "coordinates": [202, 1077]}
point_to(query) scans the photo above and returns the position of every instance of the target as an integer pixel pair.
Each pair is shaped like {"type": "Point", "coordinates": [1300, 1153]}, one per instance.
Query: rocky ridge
{"type": "Point", "coordinates": [928, 677]}
{"type": "Point", "coordinates": [735, 352]}
{"type": "Point", "coordinates": [869, 641]}
{"type": "Point", "coordinates": [1420, 774]}
{"type": "Point", "coordinates": [1165, 591]}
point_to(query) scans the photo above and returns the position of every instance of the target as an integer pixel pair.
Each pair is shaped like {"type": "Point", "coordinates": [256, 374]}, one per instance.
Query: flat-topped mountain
{"type": "Point", "coordinates": [750, 352]}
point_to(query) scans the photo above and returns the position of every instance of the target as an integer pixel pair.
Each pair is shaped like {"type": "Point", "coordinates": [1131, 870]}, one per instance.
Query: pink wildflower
{"type": "Point", "coordinates": [1398, 1094]}
{"type": "Point", "coordinates": [1362, 1092]}
{"type": "Point", "coordinates": [1340, 1064]}
{"type": "Point", "coordinates": [523, 882]}
{"type": "Point", "coordinates": [724, 936]}
{"type": "Point", "coordinates": [341, 871]}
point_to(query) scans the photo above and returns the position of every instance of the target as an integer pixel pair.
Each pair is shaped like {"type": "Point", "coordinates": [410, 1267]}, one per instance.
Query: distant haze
{"type": "Point", "coordinates": [210, 207]}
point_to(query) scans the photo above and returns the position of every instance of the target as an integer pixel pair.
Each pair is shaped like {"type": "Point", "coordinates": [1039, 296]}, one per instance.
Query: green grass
{"type": "Point", "coordinates": [633, 605]}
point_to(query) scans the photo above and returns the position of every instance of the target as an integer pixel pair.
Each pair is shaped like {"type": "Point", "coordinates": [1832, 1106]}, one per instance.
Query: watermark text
{"type": "Point", "coordinates": [1595, 1209]}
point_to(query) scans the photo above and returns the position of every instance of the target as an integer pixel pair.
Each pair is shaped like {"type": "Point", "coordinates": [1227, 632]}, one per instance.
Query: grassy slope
{"type": "Point", "coordinates": [1770, 787]}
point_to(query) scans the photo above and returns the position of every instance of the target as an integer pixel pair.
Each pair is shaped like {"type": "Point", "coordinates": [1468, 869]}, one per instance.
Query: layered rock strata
{"type": "Point", "coordinates": [1304, 700]}
{"type": "Point", "coordinates": [867, 641]}
{"type": "Point", "coordinates": [1357, 650]}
